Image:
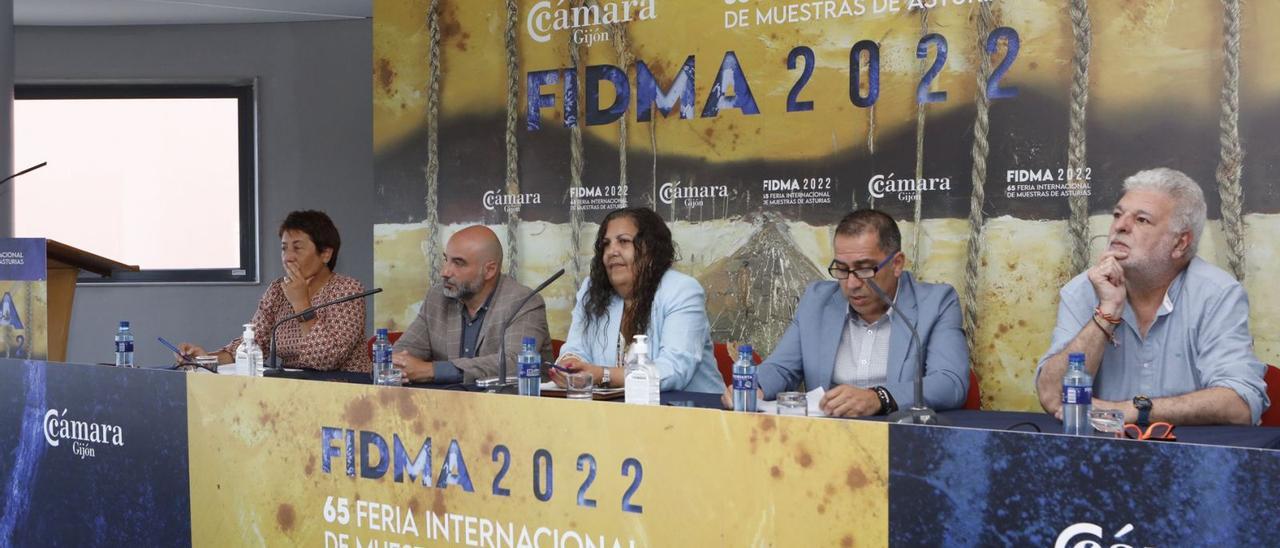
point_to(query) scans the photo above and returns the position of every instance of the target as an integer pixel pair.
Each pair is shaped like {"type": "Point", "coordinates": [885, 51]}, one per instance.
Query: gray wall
{"type": "Point", "coordinates": [315, 152]}
{"type": "Point", "coordinates": [6, 115]}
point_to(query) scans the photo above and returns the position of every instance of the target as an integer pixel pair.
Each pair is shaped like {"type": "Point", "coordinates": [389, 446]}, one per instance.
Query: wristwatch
{"type": "Point", "coordinates": [1143, 404]}
{"type": "Point", "coordinates": [605, 376]}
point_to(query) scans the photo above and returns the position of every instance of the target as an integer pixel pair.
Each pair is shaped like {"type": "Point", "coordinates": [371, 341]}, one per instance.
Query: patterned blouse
{"type": "Point", "coordinates": [336, 339]}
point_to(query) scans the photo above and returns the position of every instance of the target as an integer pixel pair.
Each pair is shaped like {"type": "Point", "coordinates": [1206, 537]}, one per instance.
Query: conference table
{"type": "Point", "coordinates": [1223, 435]}
{"type": "Point", "coordinates": [103, 455]}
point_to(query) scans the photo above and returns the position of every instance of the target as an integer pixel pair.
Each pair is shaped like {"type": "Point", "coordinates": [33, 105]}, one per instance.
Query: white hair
{"type": "Point", "coordinates": [1189, 210]}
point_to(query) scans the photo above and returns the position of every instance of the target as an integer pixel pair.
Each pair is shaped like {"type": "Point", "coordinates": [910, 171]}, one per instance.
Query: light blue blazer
{"type": "Point", "coordinates": [808, 348]}
{"type": "Point", "coordinates": [679, 335]}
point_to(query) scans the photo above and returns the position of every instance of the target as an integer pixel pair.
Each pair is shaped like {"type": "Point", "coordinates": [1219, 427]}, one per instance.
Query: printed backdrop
{"type": "Point", "coordinates": [753, 125]}
{"type": "Point", "coordinates": [97, 455]}
{"type": "Point", "coordinates": [24, 302]}
{"type": "Point", "coordinates": [375, 467]}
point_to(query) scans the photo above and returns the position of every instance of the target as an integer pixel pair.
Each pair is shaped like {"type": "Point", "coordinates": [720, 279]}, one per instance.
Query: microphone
{"type": "Point", "coordinates": [500, 383]}
{"type": "Point", "coordinates": [919, 412]}
{"type": "Point", "coordinates": [308, 315]}
{"type": "Point", "coordinates": [23, 172]}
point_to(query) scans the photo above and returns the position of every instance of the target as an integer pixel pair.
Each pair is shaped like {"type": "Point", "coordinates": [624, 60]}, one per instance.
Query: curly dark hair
{"type": "Point", "coordinates": [319, 227]}
{"type": "Point", "coordinates": [654, 253]}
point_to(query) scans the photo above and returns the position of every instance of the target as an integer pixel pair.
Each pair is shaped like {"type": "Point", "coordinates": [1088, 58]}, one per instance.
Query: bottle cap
{"type": "Point", "coordinates": [746, 348]}
{"type": "Point", "coordinates": [529, 340]}
{"type": "Point", "coordinates": [641, 345]}
{"type": "Point", "coordinates": [124, 323]}
{"type": "Point", "coordinates": [1075, 357]}
{"type": "Point", "coordinates": [382, 331]}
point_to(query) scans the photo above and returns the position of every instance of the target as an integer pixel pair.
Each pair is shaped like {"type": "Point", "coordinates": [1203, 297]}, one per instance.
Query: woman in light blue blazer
{"type": "Point", "coordinates": [633, 290]}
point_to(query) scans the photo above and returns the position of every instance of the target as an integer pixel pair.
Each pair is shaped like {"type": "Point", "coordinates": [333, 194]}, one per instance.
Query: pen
{"type": "Point", "coordinates": [560, 368]}
{"type": "Point", "coordinates": [175, 350]}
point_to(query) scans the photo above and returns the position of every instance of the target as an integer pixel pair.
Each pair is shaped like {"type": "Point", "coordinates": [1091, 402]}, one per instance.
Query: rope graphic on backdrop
{"type": "Point", "coordinates": [653, 146]}
{"type": "Point", "coordinates": [1231, 160]}
{"type": "Point", "coordinates": [433, 141]}
{"type": "Point", "coordinates": [622, 46]}
{"type": "Point", "coordinates": [977, 197]}
{"type": "Point", "coordinates": [513, 152]}
{"type": "Point", "coordinates": [871, 152]}
{"type": "Point", "coordinates": [576, 166]}
{"type": "Point", "coordinates": [1078, 224]}
{"type": "Point", "coordinates": [920, 115]}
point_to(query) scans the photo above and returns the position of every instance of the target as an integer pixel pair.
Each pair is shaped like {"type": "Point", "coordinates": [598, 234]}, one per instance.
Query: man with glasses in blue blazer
{"type": "Point", "coordinates": [848, 340]}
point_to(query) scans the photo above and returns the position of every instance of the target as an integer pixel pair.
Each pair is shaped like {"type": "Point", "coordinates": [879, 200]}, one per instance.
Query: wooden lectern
{"type": "Point", "coordinates": [64, 266]}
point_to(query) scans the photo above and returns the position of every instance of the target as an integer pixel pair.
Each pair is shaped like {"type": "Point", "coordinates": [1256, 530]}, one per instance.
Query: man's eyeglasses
{"type": "Point", "coordinates": [839, 271]}
{"type": "Point", "coordinates": [1157, 431]}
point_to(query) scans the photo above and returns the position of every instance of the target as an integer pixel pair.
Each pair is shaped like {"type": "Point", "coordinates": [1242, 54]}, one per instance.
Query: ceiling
{"type": "Point", "coordinates": [180, 12]}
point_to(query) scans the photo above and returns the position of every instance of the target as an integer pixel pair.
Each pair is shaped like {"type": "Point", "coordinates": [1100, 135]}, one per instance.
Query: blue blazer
{"type": "Point", "coordinates": [808, 348]}
{"type": "Point", "coordinates": [679, 335]}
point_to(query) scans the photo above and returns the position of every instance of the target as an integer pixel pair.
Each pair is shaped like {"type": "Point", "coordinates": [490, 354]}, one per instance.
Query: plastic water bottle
{"type": "Point", "coordinates": [529, 365]}
{"type": "Point", "coordinates": [744, 381]}
{"type": "Point", "coordinates": [643, 382]}
{"type": "Point", "coordinates": [124, 345]}
{"type": "Point", "coordinates": [248, 354]}
{"type": "Point", "coordinates": [1077, 397]}
{"type": "Point", "coordinates": [382, 368]}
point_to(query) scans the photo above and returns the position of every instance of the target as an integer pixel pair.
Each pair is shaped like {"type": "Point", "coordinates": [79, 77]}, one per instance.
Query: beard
{"type": "Point", "coordinates": [460, 290]}
{"type": "Point", "coordinates": [1153, 266]}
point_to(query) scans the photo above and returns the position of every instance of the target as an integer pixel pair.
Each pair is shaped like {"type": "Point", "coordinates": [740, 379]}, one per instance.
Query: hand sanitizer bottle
{"type": "Point", "coordinates": [643, 382]}
{"type": "Point", "coordinates": [248, 355]}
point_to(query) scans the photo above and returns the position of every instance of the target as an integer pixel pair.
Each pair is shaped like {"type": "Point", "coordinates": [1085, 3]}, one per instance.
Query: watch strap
{"type": "Point", "coordinates": [1143, 404]}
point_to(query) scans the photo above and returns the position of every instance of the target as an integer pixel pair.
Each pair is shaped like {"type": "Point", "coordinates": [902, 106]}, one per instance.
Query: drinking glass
{"type": "Point", "coordinates": [793, 403]}
{"type": "Point", "coordinates": [1107, 423]}
{"type": "Point", "coordinates": [579, 386]}
{"type": "Point", "coordinates": [208, 363]}
{"type": "Point", "coordinates": [391, 376]}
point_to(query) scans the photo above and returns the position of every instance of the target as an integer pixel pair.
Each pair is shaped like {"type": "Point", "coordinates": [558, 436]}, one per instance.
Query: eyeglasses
{"type": "Point", "coordinates": [839, 271]}
{"type": "Point", "coordinates": [1157, 431]}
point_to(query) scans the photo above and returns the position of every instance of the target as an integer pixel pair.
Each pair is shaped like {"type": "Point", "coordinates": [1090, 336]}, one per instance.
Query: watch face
{"type": "Point", "coordinates": [1142, 402]}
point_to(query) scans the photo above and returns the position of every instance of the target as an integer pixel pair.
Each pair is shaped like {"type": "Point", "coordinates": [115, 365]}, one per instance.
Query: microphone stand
{"type": "Point", "coordinates": [307, 315]}
{"type": "Point", "coordinates": [23, 172]}
{"type": "Point", "coordinates": [501, 384]}
{"type": "Point", "coordinates": [919, 412]}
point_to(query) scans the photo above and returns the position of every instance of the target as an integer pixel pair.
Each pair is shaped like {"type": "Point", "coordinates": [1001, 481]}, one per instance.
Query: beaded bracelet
{"type": "Point", "coordinates": [1097, 320]}
{"type": "Point", "coordinates": [1097, 311]}
{"type": "Point", "coordinates": [887, 405]}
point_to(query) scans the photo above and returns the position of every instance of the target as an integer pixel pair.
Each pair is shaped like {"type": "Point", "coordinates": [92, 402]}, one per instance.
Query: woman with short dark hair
{"type": "Point", "coordinates": [633, 291]}
{"type": "Point", "coordinates": [334, 338]}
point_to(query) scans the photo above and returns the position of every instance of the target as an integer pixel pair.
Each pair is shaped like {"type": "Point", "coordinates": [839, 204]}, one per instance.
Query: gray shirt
{"type": "Point", "coordinates": [445, 371]}
{"type": "Point", "coordinates": [1200, 339]}
{"type": "Point", "coordinates": [862, 359]}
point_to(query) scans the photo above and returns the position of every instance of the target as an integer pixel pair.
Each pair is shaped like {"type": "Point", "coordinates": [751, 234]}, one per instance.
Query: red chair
{"type": "Point", "coordinates": [1271, 417]}
{"type": "Point", "coordinates": [974, 400]}
{"type": "Point", "coordinates": [555, 349]}
{"type": "Point", "coordinates": [392, 336]}
{"type": "Point", "coordinates": [725, 359]}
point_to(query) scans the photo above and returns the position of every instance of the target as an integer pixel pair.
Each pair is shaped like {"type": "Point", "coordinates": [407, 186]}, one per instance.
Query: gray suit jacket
{"type": "Point", "coordinates": [436, 334]}
{"type": "Point", "coordinates": [808, 348]}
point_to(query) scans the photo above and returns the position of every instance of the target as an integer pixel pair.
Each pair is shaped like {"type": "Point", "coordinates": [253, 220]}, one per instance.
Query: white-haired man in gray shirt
{"type": "Point", "coordinates": [1165, 334]}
